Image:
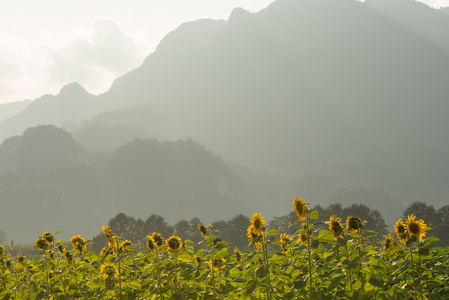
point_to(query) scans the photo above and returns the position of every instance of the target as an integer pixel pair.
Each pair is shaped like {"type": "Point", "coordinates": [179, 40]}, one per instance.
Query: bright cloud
{"type": "Point", "coordinates": [97, 59]}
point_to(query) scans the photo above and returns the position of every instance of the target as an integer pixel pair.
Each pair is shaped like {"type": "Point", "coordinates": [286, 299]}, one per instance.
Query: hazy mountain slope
{"type": "Point", "coordinates": [72, 103]}
{"type": "Point", "coordinates": [68, 188]}
{"type": "Point", "coordinates": [301, 84]}
{"type": "Point", "coordinates": [10, 109]}
{"type": "Point", "coordinates": [356, 90]}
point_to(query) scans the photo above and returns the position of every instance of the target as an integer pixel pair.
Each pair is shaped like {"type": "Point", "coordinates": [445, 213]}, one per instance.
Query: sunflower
{"type": "Point", "coordinates": [109, 235]}
{"type": "Point", "coordinates": [335, 226]}
{"type": "Point", "coordinates": [151, 245]}
{"type": "Point", "coordinates": [238, 255]}
{"type": "Point", "coordinates": [197, 259]}
{"type": "Point", "coordinates": [401, 231]}
{"type": "Point", "coordinates": [219, 264]}
{"type": "Point", "coordinates": [304, 239]}
{"type": "Point", "coordinates": [68, 256]}
{"type": "Point", "coordinates": [40, 244]}
{"type": "Point", "coordinates": [300, 207]}
{"type": "Point", "coordinates": [257, 223]}
{"type": "Point", "coordinates": [255, 239]}
{"type": "Point", "coordinates": [202, 229]}
{"type": "Point", "coordinates": [354, 224]}
{"type": "Point", "coordinates": [109, 271]}
{"type": "Point", "coordinates": [285, 240]}
{"type": "Point", "coordinates": [416, 228]}
{"type": "Point", "coordinates": [158, 239]}
{"type": "Point", "coordinates": [125, 244]}
{"type": "Point", "coordinates": [174, 243]}
{"type": "Point", "coordinates": [48, 237]}
{"type": "Point", "coordinates": [389, 243]}
{"type": "Point", "coordinates": [78, 243]}
{"type": "Point", "coordinates": [2, 251]}
{"type": "Point", "coordinates": [51, 274]}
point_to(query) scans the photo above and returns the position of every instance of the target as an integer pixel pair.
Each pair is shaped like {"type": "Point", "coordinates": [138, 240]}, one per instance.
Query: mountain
{"type": "Point", "coordinates": [49, 182]}
{"type": "Point", "coordinates": [8, 110]}
{"type": "Point", "coordinates": [356, 90]}
{"type": "Point", "coordinates": [72, 103]}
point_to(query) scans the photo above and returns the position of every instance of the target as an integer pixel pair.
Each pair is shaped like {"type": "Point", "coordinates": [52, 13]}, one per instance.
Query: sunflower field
{"type": "Point", "coordinates": [338, 261]}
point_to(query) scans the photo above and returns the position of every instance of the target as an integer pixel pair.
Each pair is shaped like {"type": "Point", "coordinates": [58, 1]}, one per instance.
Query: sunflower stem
{"type": "Point", "coordinates": [265, 254]}
{"type": "Point", "coordinates": [349, 269]}
{"type": "Point", "coordinates": [310, 259]}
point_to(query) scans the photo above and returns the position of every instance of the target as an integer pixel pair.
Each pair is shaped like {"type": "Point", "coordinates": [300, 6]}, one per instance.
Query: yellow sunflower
{"type": "Point", "coordinates": [78, 243]}
{"type": "Point", "coordinates": [174, 243]}
{"type": "Point", "coordinates": [2, 251]}
{"type": "Point", "coordinates": [257, 223]}
{"type": "Point", "coordinates": [40, 244]}
{"type": "Point", "coordinates": [109, 235]}
{"type": "Point", "coordinates": [389, 243]}
{"type": "Point", "coordinates": [285, 240]}
{"type": "Point", "coordinates": [300, 207]}
{"type": "Point", "coordinates": [202, 229]}
{"type": "Point", "coordinates": [255, 239]}
{"type": "Point", "coordinates": [48, 237]}
{"type": "Point", "coordinates": [197, 260]}
{"type": "Point", "coordinates": [416, 228]}
{"type": "Point", "coordinates": [158, 239]}
{"type": "Point", "coordinates": [125, 244]}
{"type": "Point", "coordinates": [401, 231]}
{"type": "Point", "coordinates": [354, 224]}
{"type": "Point", "coordinates": [335, 226]}
{"type": "Point", "coordinates": [238, 255]}
{"type": "Point", "coordinates": [109, 271]}
{"type": "Point", "coordinates": [219, 264]}
{"type": "Point", "coordinates": [151, 245]}
{"type": "Point", "coordinates": [303, 239]}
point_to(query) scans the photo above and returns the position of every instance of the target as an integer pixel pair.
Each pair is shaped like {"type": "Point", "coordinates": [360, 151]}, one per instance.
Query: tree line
{"type": "Point", "coordinates": [234, 229]}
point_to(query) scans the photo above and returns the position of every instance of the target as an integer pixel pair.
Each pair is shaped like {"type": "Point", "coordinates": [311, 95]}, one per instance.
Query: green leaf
{"type": "Point", "coordinates": [335, 282]}
{"type": "Point", "coordinates": [221, 254]}
{"type": "Point", "coordinates": [313, 215]}
{"type": "Point", "coordinates": [431, 239]}
{"type": "Point", "coordinates": [288, 295]}
{"type": "Point", "coordinates": [299, 284]}
{"type": "Point", "coordinates": [315, 244]}
{"type": "Point", "coordinates": [425, 251]}
{"type": "Point", "coordinates": [7, 297]}
{"type": "Point", "coordinates": [273, 232]}
{"type": "Point", "coordinates": [276, 258]}
{"type": "Point", "coordinates": [262, 271]}
{"type": "Point", "coordinates": [251, 288]}
{"type": "Point", "coordinates": [135, 285]}
{"type": "Point", "coordinates": [375, 282]}
{"type": "Point", "coordinates": [325, 237]}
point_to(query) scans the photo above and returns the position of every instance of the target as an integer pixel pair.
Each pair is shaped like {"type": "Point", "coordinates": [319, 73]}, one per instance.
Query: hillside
{"type": "Point", "coordinates": [354, 90]}
{"type": "Point", "coordinates": [48, 181]}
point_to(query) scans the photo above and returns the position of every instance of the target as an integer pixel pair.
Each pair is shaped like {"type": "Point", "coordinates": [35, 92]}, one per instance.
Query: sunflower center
{"type": "Point", "coordinates": [414, 228]}
{"type": "Point", "coordinates": [174, 244]}
{"type": "Point", "coordinates": [257, 223]}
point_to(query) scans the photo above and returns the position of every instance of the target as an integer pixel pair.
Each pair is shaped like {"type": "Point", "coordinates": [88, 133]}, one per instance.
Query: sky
{"type": "Point", "coordinates": [46, 44]}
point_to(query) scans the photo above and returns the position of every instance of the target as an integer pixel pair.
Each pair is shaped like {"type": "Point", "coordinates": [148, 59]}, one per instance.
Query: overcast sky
{"type": "Point", "coordinates": [45, 44]}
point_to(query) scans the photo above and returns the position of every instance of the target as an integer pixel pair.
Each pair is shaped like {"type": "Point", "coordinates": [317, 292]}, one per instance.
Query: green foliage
{"type": "Point", "coordinates": [321, 266]}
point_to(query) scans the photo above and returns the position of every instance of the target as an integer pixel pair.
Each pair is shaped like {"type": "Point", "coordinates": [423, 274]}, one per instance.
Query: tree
{"type": "Point", "coordinates": [237, 228]}
{"type": "Point", "coordinates": [134, 230]}
{"type": "Point", "coordinates": [423, 211]}
{"type": "Point", "coordinates": [188, 230]}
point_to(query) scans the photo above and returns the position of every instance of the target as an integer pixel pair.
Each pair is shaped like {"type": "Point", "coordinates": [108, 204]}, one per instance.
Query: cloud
{"type": "Point", "coordinates": [9, 73]}
{"type": "Point", "coordinates": [97, 59]}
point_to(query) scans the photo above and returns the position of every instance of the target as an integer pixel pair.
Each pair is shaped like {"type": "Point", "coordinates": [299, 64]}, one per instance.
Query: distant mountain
{"type": "Point", "coordinates": [49, 182]}
{"type": "Point", "coordinates": [356, 90]}
{"type": "Point", "coordinates": [8, 110]}
{"type": "Point", "coordinates": [72, 103]}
